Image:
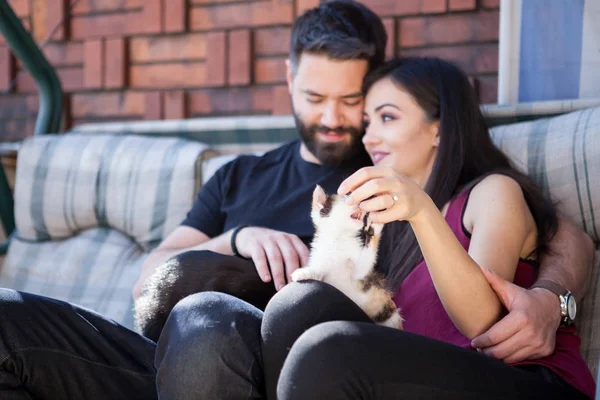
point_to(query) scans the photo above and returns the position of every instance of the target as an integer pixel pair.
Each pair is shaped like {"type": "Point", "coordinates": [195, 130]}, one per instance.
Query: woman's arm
{"type": "Point", "coordinates": [502, 230]}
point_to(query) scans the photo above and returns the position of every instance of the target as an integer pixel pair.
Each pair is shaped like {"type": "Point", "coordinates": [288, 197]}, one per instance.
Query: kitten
{"type": "Point", "coordinates": [343, 254]}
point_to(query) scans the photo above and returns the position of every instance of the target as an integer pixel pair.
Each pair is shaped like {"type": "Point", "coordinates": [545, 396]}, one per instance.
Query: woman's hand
{"type": "Point", "coordinates": [391, 196]}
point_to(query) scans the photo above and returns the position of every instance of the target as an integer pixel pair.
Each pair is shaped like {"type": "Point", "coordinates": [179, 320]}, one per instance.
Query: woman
{"type": "Point", "coordinates": [455, 210]}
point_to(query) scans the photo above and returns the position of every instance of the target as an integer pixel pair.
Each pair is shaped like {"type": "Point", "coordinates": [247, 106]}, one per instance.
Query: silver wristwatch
{"type": "Point", "coordinates": [568, 305]}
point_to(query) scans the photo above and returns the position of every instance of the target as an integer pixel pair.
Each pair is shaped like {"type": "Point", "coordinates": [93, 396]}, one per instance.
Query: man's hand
{"type": "Point", "coordinates": [528, 331]}
{"type": "Point", "coordinates": [283, 252]}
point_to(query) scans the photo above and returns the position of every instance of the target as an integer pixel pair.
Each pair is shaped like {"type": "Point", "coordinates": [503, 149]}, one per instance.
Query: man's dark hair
{"type": "Point", "coordinates": [341, 30]}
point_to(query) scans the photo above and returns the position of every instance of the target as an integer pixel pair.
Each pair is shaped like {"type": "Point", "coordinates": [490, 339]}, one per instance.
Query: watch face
{"type": "Point", "coordinates": [571, 307]}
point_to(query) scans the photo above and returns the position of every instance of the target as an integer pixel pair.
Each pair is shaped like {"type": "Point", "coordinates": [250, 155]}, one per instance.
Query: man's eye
{"type": "Point", "coordinates": [314, 100]}
{"type": "Point", "coordinates": [352, 103]}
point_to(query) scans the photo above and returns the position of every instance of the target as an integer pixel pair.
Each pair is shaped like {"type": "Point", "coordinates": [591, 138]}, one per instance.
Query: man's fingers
{"type": "Point", "coordinates": [525, 353]}
{"type": "Point", "coordinates": [505, 348]}
{"type": "Point", "coordinates": [503, 288]}
{"type": "Point", "coordinates": [301, 249]}
{"type": "Point", "coordinates": [260, 262]}
{"type": "Point", "coordinates": [498, 333]}
{"type": "Point", "coordinates": [276, 264]}
{"type": "Point", "coordinates": [290, 256]}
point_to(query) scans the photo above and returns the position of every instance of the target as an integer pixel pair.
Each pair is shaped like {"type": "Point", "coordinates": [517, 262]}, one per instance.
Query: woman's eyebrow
{"type": "Point", "coordinates": [385, 105]}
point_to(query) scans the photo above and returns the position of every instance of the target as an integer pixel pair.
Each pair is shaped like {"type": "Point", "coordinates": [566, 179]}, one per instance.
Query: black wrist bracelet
{"type": "Point", "coordinates": [232, 242]}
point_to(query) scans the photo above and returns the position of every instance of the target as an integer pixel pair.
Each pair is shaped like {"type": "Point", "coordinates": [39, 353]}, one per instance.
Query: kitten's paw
{"type": "Point", "coordinates": [395, 321]}
{"type": "Point", "coordinates": [304, 274]}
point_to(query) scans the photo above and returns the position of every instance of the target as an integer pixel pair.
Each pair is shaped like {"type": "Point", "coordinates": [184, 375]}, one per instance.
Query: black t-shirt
{"type": "Point", "coordinates": [272, 191]}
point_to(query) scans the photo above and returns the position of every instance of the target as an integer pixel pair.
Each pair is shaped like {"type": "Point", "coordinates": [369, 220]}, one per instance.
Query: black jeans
{"type": "Point", "coordinates": [216, 346]}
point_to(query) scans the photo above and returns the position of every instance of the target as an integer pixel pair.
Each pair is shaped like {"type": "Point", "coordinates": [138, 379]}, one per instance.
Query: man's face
{"type": "Point", "coordinates": [328, 106]}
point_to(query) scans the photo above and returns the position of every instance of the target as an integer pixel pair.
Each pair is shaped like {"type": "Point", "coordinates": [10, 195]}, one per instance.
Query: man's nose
{"type": "Point", "coordinates": [331, 117]}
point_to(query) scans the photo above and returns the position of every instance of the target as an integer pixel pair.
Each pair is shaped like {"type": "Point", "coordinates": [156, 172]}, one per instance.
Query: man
{"type": "Point", "coordinates": [51, 349]}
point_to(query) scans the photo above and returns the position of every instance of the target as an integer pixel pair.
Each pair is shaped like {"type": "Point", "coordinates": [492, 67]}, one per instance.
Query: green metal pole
{"type": "Point", "coordinates": [51, 101]}
{"type": "Point", "coordinates": [25, 49]}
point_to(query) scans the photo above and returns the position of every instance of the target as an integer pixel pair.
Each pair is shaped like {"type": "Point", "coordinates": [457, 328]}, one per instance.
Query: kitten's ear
{"type": "Point", "coordinates": [319, 198]}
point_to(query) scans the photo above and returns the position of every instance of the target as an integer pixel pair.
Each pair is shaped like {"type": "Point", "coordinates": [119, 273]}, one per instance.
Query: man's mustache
{"type": "Point", "coordinates": [339, 129]}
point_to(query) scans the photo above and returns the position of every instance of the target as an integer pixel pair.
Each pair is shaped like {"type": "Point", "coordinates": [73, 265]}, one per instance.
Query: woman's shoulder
{"type": "Point", "coordinates": [496, 194]}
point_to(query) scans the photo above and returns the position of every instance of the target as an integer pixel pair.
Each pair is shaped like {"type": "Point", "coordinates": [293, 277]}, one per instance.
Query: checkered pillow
{"type": "Point", "coordinates": [562, 154]}
{"type": "Point", "coordinates": [88, 208]}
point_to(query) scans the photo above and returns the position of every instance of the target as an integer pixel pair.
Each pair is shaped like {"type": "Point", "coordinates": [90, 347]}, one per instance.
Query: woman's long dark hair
{"type": "Point", "coordinates": [465, 156]}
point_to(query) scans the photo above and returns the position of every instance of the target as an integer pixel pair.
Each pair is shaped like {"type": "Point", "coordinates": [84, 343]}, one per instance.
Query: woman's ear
{"type": "Point", "coordinates": [434, 129]}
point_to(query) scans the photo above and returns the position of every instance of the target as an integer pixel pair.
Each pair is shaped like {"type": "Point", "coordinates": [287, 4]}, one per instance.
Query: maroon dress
{"type": "Point", "coordinates": [424, 313]}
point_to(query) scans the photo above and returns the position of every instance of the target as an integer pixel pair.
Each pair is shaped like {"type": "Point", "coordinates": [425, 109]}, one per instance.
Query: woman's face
{"type": "Point", "coordinates": [398, 133]}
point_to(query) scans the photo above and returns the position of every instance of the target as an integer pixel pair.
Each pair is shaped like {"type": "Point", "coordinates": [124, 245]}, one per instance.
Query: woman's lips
{"type": "Point", "coordinates": [377, 156]}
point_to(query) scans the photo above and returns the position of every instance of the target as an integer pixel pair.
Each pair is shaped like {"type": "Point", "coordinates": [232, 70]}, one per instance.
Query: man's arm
{"type": "Point", "coordinates": [182, 239]}
{"type": "Point", "coordinates": [529, 330]}
{"type": "Point", "coordinates": [570, 260]}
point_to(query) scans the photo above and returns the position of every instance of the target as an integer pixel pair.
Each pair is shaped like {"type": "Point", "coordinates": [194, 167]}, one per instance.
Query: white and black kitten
{"type": "Point", "coordinates": [344, 253]}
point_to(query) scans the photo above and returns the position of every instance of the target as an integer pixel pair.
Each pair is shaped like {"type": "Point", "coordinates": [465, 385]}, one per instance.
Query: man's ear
{"type": "Point", "coordinates": [288, 74]}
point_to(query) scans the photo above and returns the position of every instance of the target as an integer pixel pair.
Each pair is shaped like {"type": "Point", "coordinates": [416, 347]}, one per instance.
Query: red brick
{"type": "Point", "coordinates": [7, 67]}
{"type": "Point", "coordinates": [490, 3]}
{"type": "Point", "coordinates": [241, 15]}
{"type": "Point", "coordinates": [64, 53]}
{"type": "Point", "coordinates": [458, 28]}
{"type": "Point", "coordinates": [488, 89]}
{"type": "Point", "coordinates": [461, 5]}
{"type": "Point", "coordinates": [93, 63]}
{"type": "Point", "coordinates": [115, 71]}
{"type": "Point", "coordinates": [216, 50]}
{"type": "Point", "coordinates": [152, 16]}
{"type": "Point", "coordinates": [109, 25]}
{"type": "Point", "coordinates": [20, 7]}
{"type": "Point", "coordinates": [303, 5]}
{"type": "Point", "coordinates": [71, 79]}
{"type": "Point", "coordinates": [282, 103]}
{"type": "Point", "coordinates": [190, 46]}
{"type": "Point", "coordinates": [480, 58]}
{"type": "Point", "coordinates": [175, 104]}
{"type": "Point", "coordinates": [154, 106]}
{"type": "Point", "coordinates": [18, 106]}
{"type": "Point", "coordinates": [398, 8]}
{"type": "Point", "coordinates": [15, 130]}
{"type": "Point", "coordinates": [240, 57]}
{"type": "Point", "coordinates": [240, 101]}
{"type": "Point", "coordinates": [108, 104]}
{"type": "Point", "coordinates": [175, 16]}
{"type": "Point", "coordinates": [272, 41]}
{"type": "Point", "coordinates": [38, 19]}
{"type": "Point", "coordinates": [175, 75]}
{"type": "Point", "coordinates": [390, 28]}
{"type": "Point", "coordinates": [205, 2]}
{"type": "Point", "coordinates": [269, 70]}
{"type": "Point", "coordinates": [55, 12]}
{"type": "Point", "coordinates": [91, 6]}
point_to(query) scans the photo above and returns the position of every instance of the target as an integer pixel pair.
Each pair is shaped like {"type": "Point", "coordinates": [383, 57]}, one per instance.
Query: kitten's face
{"type": "Point", "coordinates": [333, 212]}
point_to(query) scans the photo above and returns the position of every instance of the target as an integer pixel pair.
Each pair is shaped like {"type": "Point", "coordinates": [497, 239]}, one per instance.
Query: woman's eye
{"type": "Point", "coordinates": [387, 117]}
{"type": "Point", "coordinates": [365, 124]}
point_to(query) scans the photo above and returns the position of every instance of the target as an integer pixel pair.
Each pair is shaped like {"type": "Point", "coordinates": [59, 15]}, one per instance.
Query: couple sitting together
{"type": "Point", "coordinates": [473, 251]}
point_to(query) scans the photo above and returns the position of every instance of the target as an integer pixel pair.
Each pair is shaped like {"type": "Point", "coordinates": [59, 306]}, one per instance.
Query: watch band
{"type": "Point", "coordinates": [232, 242]}
{"type": "Point", "coordinates": [551, 286]}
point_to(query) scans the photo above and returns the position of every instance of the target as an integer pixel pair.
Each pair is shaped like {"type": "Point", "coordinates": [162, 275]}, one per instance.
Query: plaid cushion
{"type": "Point", "coordinates": [562, 154]}
{"type": "Point", "coordinates": [88, 208]}
{"type": "Point", "coordinates": [140, 186]}
{"type": "Point", "coordinates": [95, 269]}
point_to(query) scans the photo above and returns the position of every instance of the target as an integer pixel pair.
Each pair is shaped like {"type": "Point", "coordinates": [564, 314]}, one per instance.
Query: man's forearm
{"type": "Point", "coordinates": [570, 260]}
{"type": "Point", "coordinates": [220, 244]}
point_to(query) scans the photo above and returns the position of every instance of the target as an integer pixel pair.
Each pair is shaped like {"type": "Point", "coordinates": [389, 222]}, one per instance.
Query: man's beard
{"type": "Point", "coordinates": [330, 154]}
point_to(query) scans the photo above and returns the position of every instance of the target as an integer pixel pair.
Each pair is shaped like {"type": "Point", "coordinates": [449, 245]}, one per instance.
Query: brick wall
{"type": "Point", "coordinates": [163, 59]}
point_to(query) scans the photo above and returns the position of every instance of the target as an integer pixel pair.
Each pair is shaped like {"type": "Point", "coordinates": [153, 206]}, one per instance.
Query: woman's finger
{"type": "Point", "coordinates": [378, 203]}
{"type": "Point", "coordinates": [374, 187]}
{"type": "Point", "coordinates": [360, 177]}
